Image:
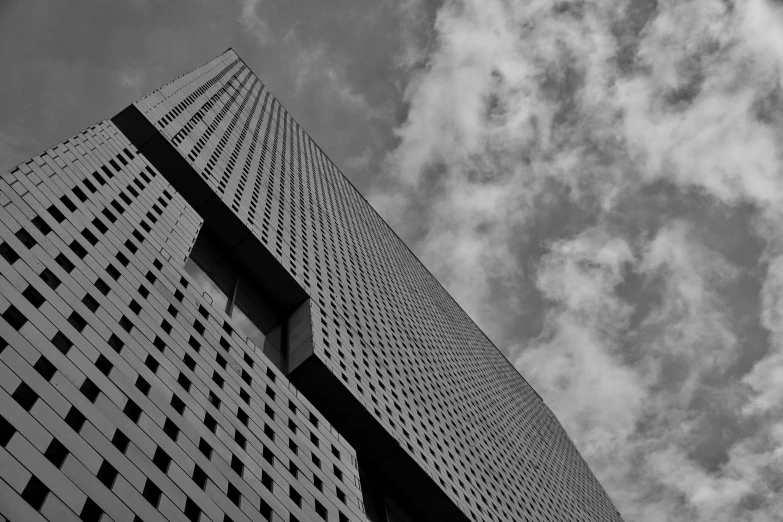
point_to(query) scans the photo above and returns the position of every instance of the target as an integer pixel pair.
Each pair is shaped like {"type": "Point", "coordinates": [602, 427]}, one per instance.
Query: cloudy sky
{"type": "Point", "coordinates": [599, 183]}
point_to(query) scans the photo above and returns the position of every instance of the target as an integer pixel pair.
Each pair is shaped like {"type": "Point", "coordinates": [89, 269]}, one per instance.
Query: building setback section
{"type": "Point", "coordinates": [203, 320]}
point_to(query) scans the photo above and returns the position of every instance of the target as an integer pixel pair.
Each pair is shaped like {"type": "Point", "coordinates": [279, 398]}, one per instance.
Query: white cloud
{"type": "Point", "coordinates": [521, 103]}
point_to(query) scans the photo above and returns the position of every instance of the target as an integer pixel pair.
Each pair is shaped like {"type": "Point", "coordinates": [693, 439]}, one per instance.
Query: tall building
{"type": "Point", "coordinates": [203, 320]}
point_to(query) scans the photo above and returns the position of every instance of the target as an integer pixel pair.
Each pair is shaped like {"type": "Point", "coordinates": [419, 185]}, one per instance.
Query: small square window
{"type": "Point", "coordinates": [14, 317]}
{"type": "Point", "coordinates": [56, 453]}
{"type": "Point", "coordinates": [91, 512]}
{"type": "Point", "coordinates": [50, 279]}
{"type": "Point", "coordinates": [161, 459]}
{"type": "Point", "coordinates": [103, 364]}
{"type": "Point", "coordinates": [64, 263]}
{"type": "Point", "coordinates": [75, 419]}
{"type": "Point", "coordinates": [199, 477]}
{"type": "Point", "coordinates": [35, 493]}
{"type": "Point", "coordinates": [89, 389]}
{"type": "Point", "coordinates": [25, 396]}
{"type": "Point", "coordinates": [45, 368]}
{"type": "Point", "coordinates": [120, 441]}
{"type": "Point", "coordinates": [107, 474]}
{"type": "Point", "coordinates": [151, 493]}
{"type": "Point", "coordinates": [177, 404]}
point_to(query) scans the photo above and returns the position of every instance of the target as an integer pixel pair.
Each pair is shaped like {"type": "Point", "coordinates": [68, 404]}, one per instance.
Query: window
{"type": "Point", "coordinates": [218, 276]}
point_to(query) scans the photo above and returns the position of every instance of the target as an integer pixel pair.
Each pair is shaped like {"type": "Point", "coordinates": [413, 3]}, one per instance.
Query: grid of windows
{"type": "Point", "coordinates": [124, 391]}
{"type": "Point", "coordinates": [381, 322]}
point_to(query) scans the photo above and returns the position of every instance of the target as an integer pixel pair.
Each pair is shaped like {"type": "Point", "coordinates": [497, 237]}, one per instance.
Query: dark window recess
{"type": "Point", "coordinates": [199, 477]}
{"type": "Point", "coordinates": [205, 448]}
{"type": "Point", "coordinates": [170, 429]}
{"type": "Point", "coordinates": [99, 178]}
{"type": "Point", "coordinates": [90, 237]}
{"type": "Point", "coordinates": [233, 494]}
{"type": "Point", "coordinates": [103, 365]}
{"type": "Point", "coordinates": [114, 164]}
{"type": "Point", "coordinates": [242, 416]}
{"type": "Point", "coordinates": [133, 191]}
{"type": "Point", "coordinates": [320, 509]}
{"type": "Point", "coordinates": [161, 459]}
{"type": "Point", "coordinates": [8, 253]}
{"type": "Point", "coordinates": [45, 368]}
{"type": "Point", "coordinates": [172, 310]}
{"type": "Point", "coordinates": [64, 262]}
{"type": "Point", "coordinates": [116, 343]}
{"type": "Point", "coordinates": [192, 511]}
{"type": "Point", "coordinates": [177, 404]}
{"type": "Point", "coordinates": [56, 453]}
{"type": "Point", "coordinates": [265, 509]}
{"type": "Point", "coordinates": [62, 343]}
{"type": "Point", "coordinates": [142, 385]}
{"type": "Point", "coordinates": [217, 379]}
{"type": "Point", "coordinates": [102, 286]}
{"type": "Point", "coordinates": [151, 363]}
{"type": "Point", "coordinates": [41, 225]}
{"type": "Point", "coordinates": [194, 343]}
{"type": "Point", "coordinates": [122, 259]}
{"type": "Point", "coordinates": [139, 236]}
{"type": "Point", "coordinates": [56, 214]}
{"type": "Point", "coordinates": [179, 296]}
{"type": "Point", "coordinates": [143, 291]}
{"type": "Point", "coordinates": [75, 419]}
{"type": "Point", "coordinates": [113, 272]}
{"type": "Point", "coordinates": [68, 203]}
{"type": "Point", "coordinates": [146, 227]}
{"type": "Point", "coordinates": [237, 465]}
{"type": "Point", "coordinates": [240, 439]}
{"type": "Point", "coordinates": [295, 496]}
{"type": "Point", "coordinates": [214, 400]}
{"type": "Point", "coordinates": [50, 279]}
{"type": "Point", "coordinates": [80, 194]}
{"type": "Point", "coordinates": [77, 321]}
{"type": "Point", "coordinates": [268, 455]}
{"type": "Point", "coordinates": [6, 431]}
{"type": "Point", "coordinates": [246, 377]}
{"type": "Point", "coordinates": [150, 277]}
{"type": "Point", "coordinates": [89, 185]}
{"type": "Point", "coordinates": [108, 215]}
{"type": "Point", "coordinates": [210, 422]}
{"type": "Point", "coordinates": [34, 296]}
{"type": "Point", "coordinates": [25, 238]}
{"type": "Point", "coordinates": [35, 493]}
{"type": "Point", "coordinates": [125, 198]}
{"type": "Point", "coordinates": [120, 441]}
{"type": "Point", "coordinates": [184, 381]}
{"type": "Point", "coordinates": [107, 474]}
{"type": "Point", "coordinates": [89, 389]}
{"type": "Point", "coordinates": [90, 302]}
{"type": "Point", "coordinates": [159, 343]}
{"type": "Point", "coordinates": [91, 512]}
{"type": "Point", "coordinates": [189, 362]}
{"type": "Point", "coordinates": [135, 307]}
{"type": "Point", "coordinates": [119, 208]}
{"type": "Point", "coordinates": [78, 249]}
{"type": "Point", "coordinates": [151, 493]}
{"type": "Point", "coordinates": [132, 410]}
{"type": "Point", "coordinates": [106, 171]}
{"type": "Point", "coordinates": [266, 480]}
{"type": "Point", "coordinates": [122, 160]}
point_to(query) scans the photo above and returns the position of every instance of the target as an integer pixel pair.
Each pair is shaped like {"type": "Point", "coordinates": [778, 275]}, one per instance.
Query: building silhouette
{"type": "Point", "coordinates": [203, 320]}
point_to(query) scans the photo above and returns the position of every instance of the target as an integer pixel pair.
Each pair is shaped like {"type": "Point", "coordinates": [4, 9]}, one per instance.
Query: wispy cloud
{"type": "Point", "coordinates": [575, 164]}
{"type": "Point", "coordinates": [252, 22]}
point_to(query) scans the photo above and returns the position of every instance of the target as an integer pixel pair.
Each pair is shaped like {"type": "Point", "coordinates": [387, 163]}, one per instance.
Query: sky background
{"type": "Point", "coordinates": [598, 183]}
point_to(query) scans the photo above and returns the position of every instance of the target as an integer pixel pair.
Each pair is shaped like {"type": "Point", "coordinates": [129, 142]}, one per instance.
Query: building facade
{"type": "Point", "coordinates": [203, 320]}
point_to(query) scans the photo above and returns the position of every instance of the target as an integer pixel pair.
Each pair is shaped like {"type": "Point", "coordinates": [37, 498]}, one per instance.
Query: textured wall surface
{"type": "Point", "coordinates": [380, 322]}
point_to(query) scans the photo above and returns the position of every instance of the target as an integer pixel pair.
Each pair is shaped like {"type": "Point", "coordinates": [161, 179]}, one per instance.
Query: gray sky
{"type": "Point", "coordinates": [598, 183]}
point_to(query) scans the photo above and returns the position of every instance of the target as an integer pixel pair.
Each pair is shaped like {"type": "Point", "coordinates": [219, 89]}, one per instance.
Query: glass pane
{"type": "Point", "coordinates": [206, 284]}
{"type": "Point", "coordinates": [246, 327]}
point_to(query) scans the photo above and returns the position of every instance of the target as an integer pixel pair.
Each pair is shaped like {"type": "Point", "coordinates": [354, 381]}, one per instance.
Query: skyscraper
{"type": "Point", "coordinates": [203, 320]}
